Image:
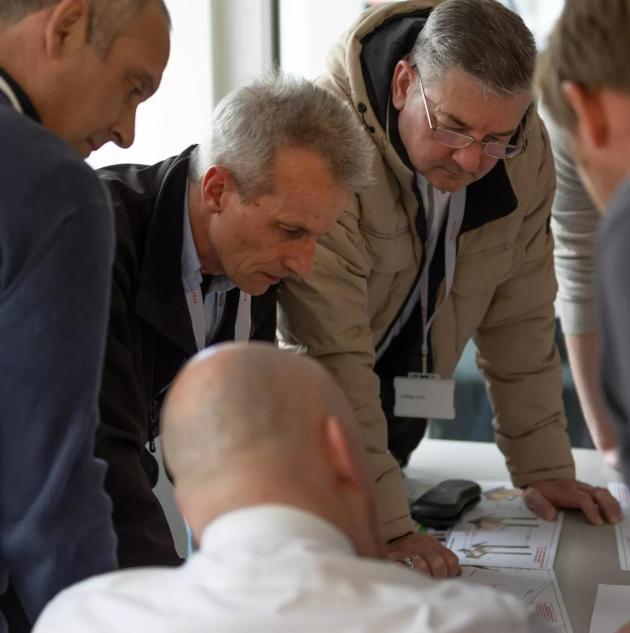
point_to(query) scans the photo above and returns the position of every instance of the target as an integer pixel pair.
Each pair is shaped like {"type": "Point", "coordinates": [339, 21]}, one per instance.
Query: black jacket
{"type": "Point", "coordinates": [150, 337]}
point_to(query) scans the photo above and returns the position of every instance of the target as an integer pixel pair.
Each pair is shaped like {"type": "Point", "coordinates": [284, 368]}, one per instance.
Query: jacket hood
{"type": "Point", "coordinates": [363, 61]}
{"type": "Point", "coordinates": [382, 49]}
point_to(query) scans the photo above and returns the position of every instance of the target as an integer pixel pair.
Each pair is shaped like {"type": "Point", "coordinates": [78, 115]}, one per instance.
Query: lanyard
{"type": "Point", "coordinates": [454, 223]}
{"type": "Point", "coordinates": [194, 299]}
{"type": "Point", "coordinates": [243, 324]}
{"type": "Point", "coordinates": [199, 315]}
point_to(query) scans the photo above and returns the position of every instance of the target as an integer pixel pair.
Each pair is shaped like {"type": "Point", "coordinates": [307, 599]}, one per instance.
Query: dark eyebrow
{"type": "Point", "coordinates": [458, 122]}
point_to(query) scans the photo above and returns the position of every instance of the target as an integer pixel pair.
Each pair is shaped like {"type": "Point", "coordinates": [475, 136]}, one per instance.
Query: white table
{"type": "Point", "coordinates": [587, 555]}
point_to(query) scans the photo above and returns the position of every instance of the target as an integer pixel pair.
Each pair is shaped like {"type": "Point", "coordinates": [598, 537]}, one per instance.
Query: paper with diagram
{"type": "Point", "coordinates": [537, 588]}
{"type": "Point", "coordinates": [501, 532]}
{"type": "Point", "coordinates": [622, 530]}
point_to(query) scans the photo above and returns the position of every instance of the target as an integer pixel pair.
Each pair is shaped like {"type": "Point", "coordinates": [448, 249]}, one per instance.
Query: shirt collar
{"type": "Point", "coordinates": [17, 97]}
{"type": "Point", "coordinates": [190, 260]}
{"type": "Point", "coordinates": [191, 266]}
{"type": "Point", "coordinates": [270, 524]}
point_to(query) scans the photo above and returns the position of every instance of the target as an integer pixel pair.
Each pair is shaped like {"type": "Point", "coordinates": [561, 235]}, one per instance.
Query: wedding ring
{"type": "Point", "coordinates": [409, 560]}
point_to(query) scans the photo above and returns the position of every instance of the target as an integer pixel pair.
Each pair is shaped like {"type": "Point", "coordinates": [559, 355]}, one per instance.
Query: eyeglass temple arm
{"type": "Point", "coordinates": [424, 97]}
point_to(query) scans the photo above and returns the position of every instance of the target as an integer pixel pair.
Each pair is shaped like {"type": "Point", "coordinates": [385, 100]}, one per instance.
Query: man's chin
{"type": "Point", "coordinates": [85, 148]}
{"type": "Point", "coordinates": [254, 288]}
{"type": "Point", "coordinates": [84, 151]}
{"type": "Point", "coordinates": [256, 284]}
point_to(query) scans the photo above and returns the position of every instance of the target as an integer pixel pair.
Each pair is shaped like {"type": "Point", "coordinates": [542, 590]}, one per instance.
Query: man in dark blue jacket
{"type": "Point", "coordinates": [68, 84]}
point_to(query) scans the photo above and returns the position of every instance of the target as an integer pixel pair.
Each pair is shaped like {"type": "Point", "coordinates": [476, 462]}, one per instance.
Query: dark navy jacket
{"type": "Point", "coordinates": [56, 243]}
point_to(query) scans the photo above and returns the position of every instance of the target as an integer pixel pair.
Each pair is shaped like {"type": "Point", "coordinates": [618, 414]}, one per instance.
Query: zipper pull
{"type": "Point", "coordinates": [153, 416]}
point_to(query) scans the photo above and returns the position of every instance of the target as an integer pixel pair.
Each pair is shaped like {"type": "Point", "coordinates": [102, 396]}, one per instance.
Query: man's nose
{"type": "Point", "coordinates": [123, 131]}
{"type": "Point", "coordinates": [300, 260]}
{"type": "Point", "coordinates": [469, 157]}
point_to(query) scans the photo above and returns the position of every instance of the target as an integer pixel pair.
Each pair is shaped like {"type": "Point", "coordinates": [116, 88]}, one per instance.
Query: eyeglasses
{"type": "Point", "coordinates": [459, 141]}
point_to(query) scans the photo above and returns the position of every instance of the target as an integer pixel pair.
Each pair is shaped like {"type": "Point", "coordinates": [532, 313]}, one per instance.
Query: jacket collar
{"type": "Point", "coordinates": [17, 97]}
{"type": "Point", "coordinates": [161, 300]}
{"type": "Point", "coordinates": [487, 199]}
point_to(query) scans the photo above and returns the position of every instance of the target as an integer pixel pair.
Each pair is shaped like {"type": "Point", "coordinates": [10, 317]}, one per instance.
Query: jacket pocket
{"type": "Point", "coordinates": [481, 272]}
{"type": "Point", "coordinates": [389, 252]}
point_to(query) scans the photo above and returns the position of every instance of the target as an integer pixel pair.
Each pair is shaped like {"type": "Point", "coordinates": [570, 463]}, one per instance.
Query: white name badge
{"type": "Point", "coordinates": [424, 396]}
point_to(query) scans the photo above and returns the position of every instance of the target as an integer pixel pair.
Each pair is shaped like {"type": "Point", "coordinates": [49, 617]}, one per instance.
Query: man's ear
{"type": "Point", "coordinates": [340, 455]}
{"type": "Point", "coordinates": [402, 83]}
{"type": "Point", "coordinates": [216, 181]}
{"type": "Point", "coordinates": [592, 126]}
{"type": "Point", "coordinates": [67, 28]}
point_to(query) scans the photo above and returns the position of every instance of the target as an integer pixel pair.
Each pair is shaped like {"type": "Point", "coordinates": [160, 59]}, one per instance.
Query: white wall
{"type": "Point", "coordinates": [241, 41]}
{"type": "Point", "coordinates": [177, 115]}
{"type": "Point", "coordinates": [539, 15]}
{"type": "Point", "coordinates": [216, 46]}
{"type": "Point", "coordinates": [309, 28]}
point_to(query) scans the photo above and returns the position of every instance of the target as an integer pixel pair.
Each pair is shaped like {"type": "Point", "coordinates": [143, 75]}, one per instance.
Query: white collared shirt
{"type": "Point", "coordinates": [277, 569]}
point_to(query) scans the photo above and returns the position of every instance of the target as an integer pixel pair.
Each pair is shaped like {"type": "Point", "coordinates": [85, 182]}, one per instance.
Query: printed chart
{"type": "Point", "coordinates": [501, 532]}
{"type": "Point", "coordinates": [537, 588]}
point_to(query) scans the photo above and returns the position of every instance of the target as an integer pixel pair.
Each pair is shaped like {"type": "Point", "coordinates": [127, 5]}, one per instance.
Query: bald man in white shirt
{"type": "Point", "coordinates": [270, 473]}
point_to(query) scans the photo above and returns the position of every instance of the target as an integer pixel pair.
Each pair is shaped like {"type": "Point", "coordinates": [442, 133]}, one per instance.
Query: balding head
{"type": "Point", "coordinates": [236, 401]}
{"type": "Point", "coordinates": [246, 424]}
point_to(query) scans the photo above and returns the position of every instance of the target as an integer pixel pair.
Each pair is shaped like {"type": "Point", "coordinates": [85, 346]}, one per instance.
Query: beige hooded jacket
{"type": "Point", "coordinates": [503, 289]}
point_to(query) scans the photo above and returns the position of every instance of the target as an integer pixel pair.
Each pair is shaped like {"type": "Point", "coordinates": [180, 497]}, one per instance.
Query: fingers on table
{"type": "Point", "coordinates": [609, 506]}
{"type": "Point", "coordinates": [586, 502]}
{"type": "Point", "coordinates": [597, 504]}
{"type": "Point", "coordinates": [539, 504]}
{"type": "Point", "coordinates": [425, 554]}
{"type": "Point", "coordinates": [442, 563]}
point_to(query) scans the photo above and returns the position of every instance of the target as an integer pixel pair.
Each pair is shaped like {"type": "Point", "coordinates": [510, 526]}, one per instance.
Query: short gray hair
{"type": "Point", "coordinates": [275, 112]}
{"type": "Point", "coordinates": [589, 46]}
{"type": "Point", "coordinates": [483, 39]}
{"type": "Point", "coordinates": [107, 21]}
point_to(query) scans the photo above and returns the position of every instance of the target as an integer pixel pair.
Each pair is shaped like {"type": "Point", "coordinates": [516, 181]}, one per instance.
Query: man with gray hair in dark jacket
{"type": "Point", "coordinates": [203, 239]}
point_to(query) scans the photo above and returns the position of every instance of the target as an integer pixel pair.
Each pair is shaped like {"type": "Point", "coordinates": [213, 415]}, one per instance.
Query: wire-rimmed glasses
{"type": "Point", "coordinates": [456, 140]}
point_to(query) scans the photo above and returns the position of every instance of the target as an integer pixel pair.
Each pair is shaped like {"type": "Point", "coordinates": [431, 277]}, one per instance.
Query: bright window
{"type": "Point", "coordinates": [178, 114]}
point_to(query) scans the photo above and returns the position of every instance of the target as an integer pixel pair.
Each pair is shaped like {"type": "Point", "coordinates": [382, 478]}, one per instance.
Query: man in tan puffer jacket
{"type": "Point", "coordinates": [465, 183]}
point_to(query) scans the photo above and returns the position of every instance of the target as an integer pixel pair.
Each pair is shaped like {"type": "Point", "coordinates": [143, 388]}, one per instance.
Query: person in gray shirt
{"type": "Point", "coordinates": [585, 83]}
{"type": "Point", "coordinates": [575, 221]}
